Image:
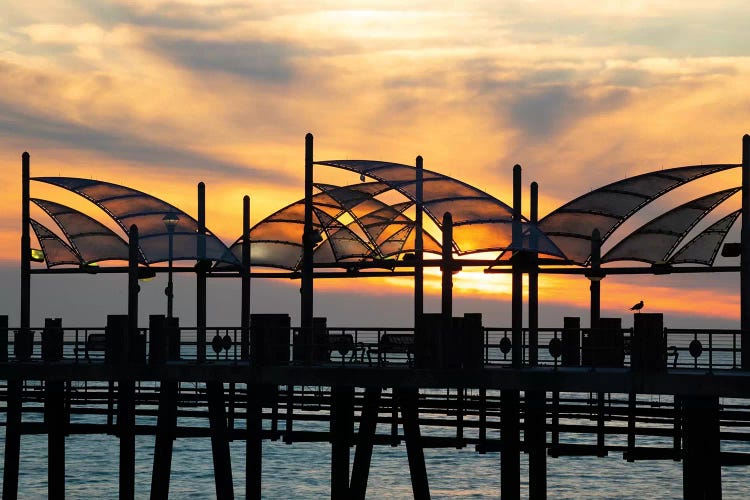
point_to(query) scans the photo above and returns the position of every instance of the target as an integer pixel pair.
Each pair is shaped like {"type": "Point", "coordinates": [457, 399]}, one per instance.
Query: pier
{"type": "Point", "coordinates": [517, 391]}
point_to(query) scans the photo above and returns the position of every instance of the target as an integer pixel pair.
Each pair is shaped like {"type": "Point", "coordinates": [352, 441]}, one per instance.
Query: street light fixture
{"type": "Point", "coordinates": [170, 221]}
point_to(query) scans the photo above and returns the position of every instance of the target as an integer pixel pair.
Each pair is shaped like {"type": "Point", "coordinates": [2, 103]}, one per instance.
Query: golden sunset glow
{"type": "Point", "coordinates": [159, 95]}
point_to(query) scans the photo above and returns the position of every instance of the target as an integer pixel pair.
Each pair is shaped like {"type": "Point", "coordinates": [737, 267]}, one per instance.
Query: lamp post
{"type": "Point", "coordinates": [170, 221]}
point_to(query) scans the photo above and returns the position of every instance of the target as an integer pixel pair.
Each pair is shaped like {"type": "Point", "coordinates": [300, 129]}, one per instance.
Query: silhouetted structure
{"type": "Point", "coordinates": [497, 379]}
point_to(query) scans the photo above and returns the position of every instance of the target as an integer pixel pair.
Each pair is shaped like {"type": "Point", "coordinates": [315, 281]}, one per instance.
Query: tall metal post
{"type": "Point", "coordinates": [534, 279]}
{"type": "Point", "coordinates": [536, 434]}
{"type": "Point", "coordinates": [308, 245]}
{"type": "Point", "coordinates": [419, 246]}
{"type": "Point", "coordinates": [245, 323]}
{"type": "Point", "coordinates": [517, 273]}
{"type": "Point", "coordinates": [745, 255]}
{"type": "Point", "coordinates": [510, 447]}
{"type": "Point", "coordinates": [170, 221]}
{"type": "Point", "coordinates": [201, 276]}
{"type": "Point", "coordinates": [13, 417]}
{"type": "Point", "coordinates": [595, 288]}
{"type": "Point", "coordinates": [126, 404]}
{"type": "Point", "coordinates": [445, 337]}
{"type": "Point", "coordinates": [25, 244]}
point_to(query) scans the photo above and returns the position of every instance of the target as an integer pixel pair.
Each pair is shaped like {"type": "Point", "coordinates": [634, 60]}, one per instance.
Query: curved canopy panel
{"type": "Point", "coordinates": [128, 206]}
{"type": "Point", "coordinates": [606, 208]}
{"type": "Point", "coordinates": [656, 240]}
{"type": "Point", "coordinates": [56, 251]}
{"type": "Point", "coordinates": [276, 241]}
{"type": "Point", "coordinates": [90, 239]}
{"type": "Point", "coordinates": [385, 226]}
{"type": "Point", "coordinates": [481, 222]}
{"type": "Point", "coordinates": [705, 246]}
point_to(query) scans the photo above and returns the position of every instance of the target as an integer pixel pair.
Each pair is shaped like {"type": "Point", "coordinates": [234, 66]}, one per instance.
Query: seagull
{"type": "Point", "coordinates": [637, 307]}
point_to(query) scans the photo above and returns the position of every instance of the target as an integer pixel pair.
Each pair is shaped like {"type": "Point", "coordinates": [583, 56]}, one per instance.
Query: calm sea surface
{"type": "Point", "coordinates": [302, 470]}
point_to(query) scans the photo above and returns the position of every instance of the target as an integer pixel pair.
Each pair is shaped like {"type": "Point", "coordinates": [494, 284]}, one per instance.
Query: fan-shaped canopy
{"type": "Point", "coordinates": [481, 222]}
{"type": "Point", "coordinates": [128, 206]}
{"type": "Point", "coordinates": [91, 240]}
{"type": "Point", "coordinates": [704, 248]}
{"type": "Point", "coordinates": [353, 226]}
{"type": "Point", "coordinates": [656, 240]}
{"type": "Point", "coordinates": [606, 208]}
{"type": "Point", "coordinates": [56, 251]}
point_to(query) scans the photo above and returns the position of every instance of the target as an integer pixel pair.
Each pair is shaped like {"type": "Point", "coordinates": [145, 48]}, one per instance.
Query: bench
{"type": "Point", "coordinates": [343, 343]}
{"type": "Point", "coordinates": [95, 342]}
{"type": "Point", "coordinates": [392, 343]}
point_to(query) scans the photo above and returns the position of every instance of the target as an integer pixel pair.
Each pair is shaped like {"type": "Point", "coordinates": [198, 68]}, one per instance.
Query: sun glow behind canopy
{"type": "Point", "coordinates": [481, 222]}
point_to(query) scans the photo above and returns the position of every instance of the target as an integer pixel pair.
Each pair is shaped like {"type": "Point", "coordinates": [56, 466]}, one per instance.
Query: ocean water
{"type": "Point", "coordinates": [302, 470]}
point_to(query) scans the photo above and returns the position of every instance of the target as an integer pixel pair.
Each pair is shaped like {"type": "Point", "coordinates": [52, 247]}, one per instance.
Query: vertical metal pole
{"type": "Point", "coordinates": [510, 465]}
{"type": "Point", "coordinates": [595, 288]}
{"type": "Point", "coordinates": [534, 279]}
{"type": "Point", "coordinates": [13, 417]}
{"type": "Point", "coordinates": [419, 246]}
{"type": "Point", "coordinates": [245, 323]}
{"type": "Point", "coordinates": [25, 244]}
{"type": "Point", "coordinates": [170, 283]}
{"type": "Point", "coordinates": [201, 300]}
{"type": "Point", "coordinates": [306, 319]}
{"type": "Point", "coordinates": [517, 273]}
{"type": "Point", "coordinates": [126, 404]}
{"type": "Point", "coordinates": [745, 256]}
{"type": "Point", "coordinates": [536, 420]}
{"type": "Point", "coordinates": [445, 339]}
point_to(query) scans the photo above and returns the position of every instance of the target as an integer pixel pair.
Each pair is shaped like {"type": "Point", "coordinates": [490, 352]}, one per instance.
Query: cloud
{"type": "Point", "coordinates": [545, 111]}
{"type": "Point", "coordinates": [265, 61]}
{"type": "Point", "coordinates": [35, 127]}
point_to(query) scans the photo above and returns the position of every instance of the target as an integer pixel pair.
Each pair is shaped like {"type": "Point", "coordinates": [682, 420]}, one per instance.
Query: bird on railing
{"type": "Point", "coordinates": [637, 307]}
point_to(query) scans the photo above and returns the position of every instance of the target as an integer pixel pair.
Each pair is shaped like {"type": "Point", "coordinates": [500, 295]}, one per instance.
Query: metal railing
{"type": "Point", "coordinates": [704, 349]}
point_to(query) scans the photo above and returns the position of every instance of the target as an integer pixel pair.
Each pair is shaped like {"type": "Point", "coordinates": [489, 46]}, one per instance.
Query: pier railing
{"type": "Point", "coordinates": [702, 349]}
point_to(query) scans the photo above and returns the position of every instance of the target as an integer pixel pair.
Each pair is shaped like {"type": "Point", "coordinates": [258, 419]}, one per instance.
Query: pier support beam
{"type": "Point", "coordinates": [55, 417]}
{"type": "Point", "coordinates": [12, 440]}
{"type": "Point", "coordinates": [217, 418]}
{"type": "Point", "coordinates": [256, 395]}
{"type": "Point", "coordinates": [701, 466]}
{"type": "Point", "coordinates": [535, 437]}
{"type": "Point", "coordinates": [365, 440]}
{"type": "Point", "coordinates": [408, 400]}
{"type": "Point", "coordinates": [342, 428]}
{"type": "Point", "coordinates": [166, 424]}
{"type": "Point", "coordinates": [510, 447]}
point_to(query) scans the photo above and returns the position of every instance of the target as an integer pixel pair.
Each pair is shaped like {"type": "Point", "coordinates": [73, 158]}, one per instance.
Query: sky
{"type": "Point", "coordinates": [159, 95]}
